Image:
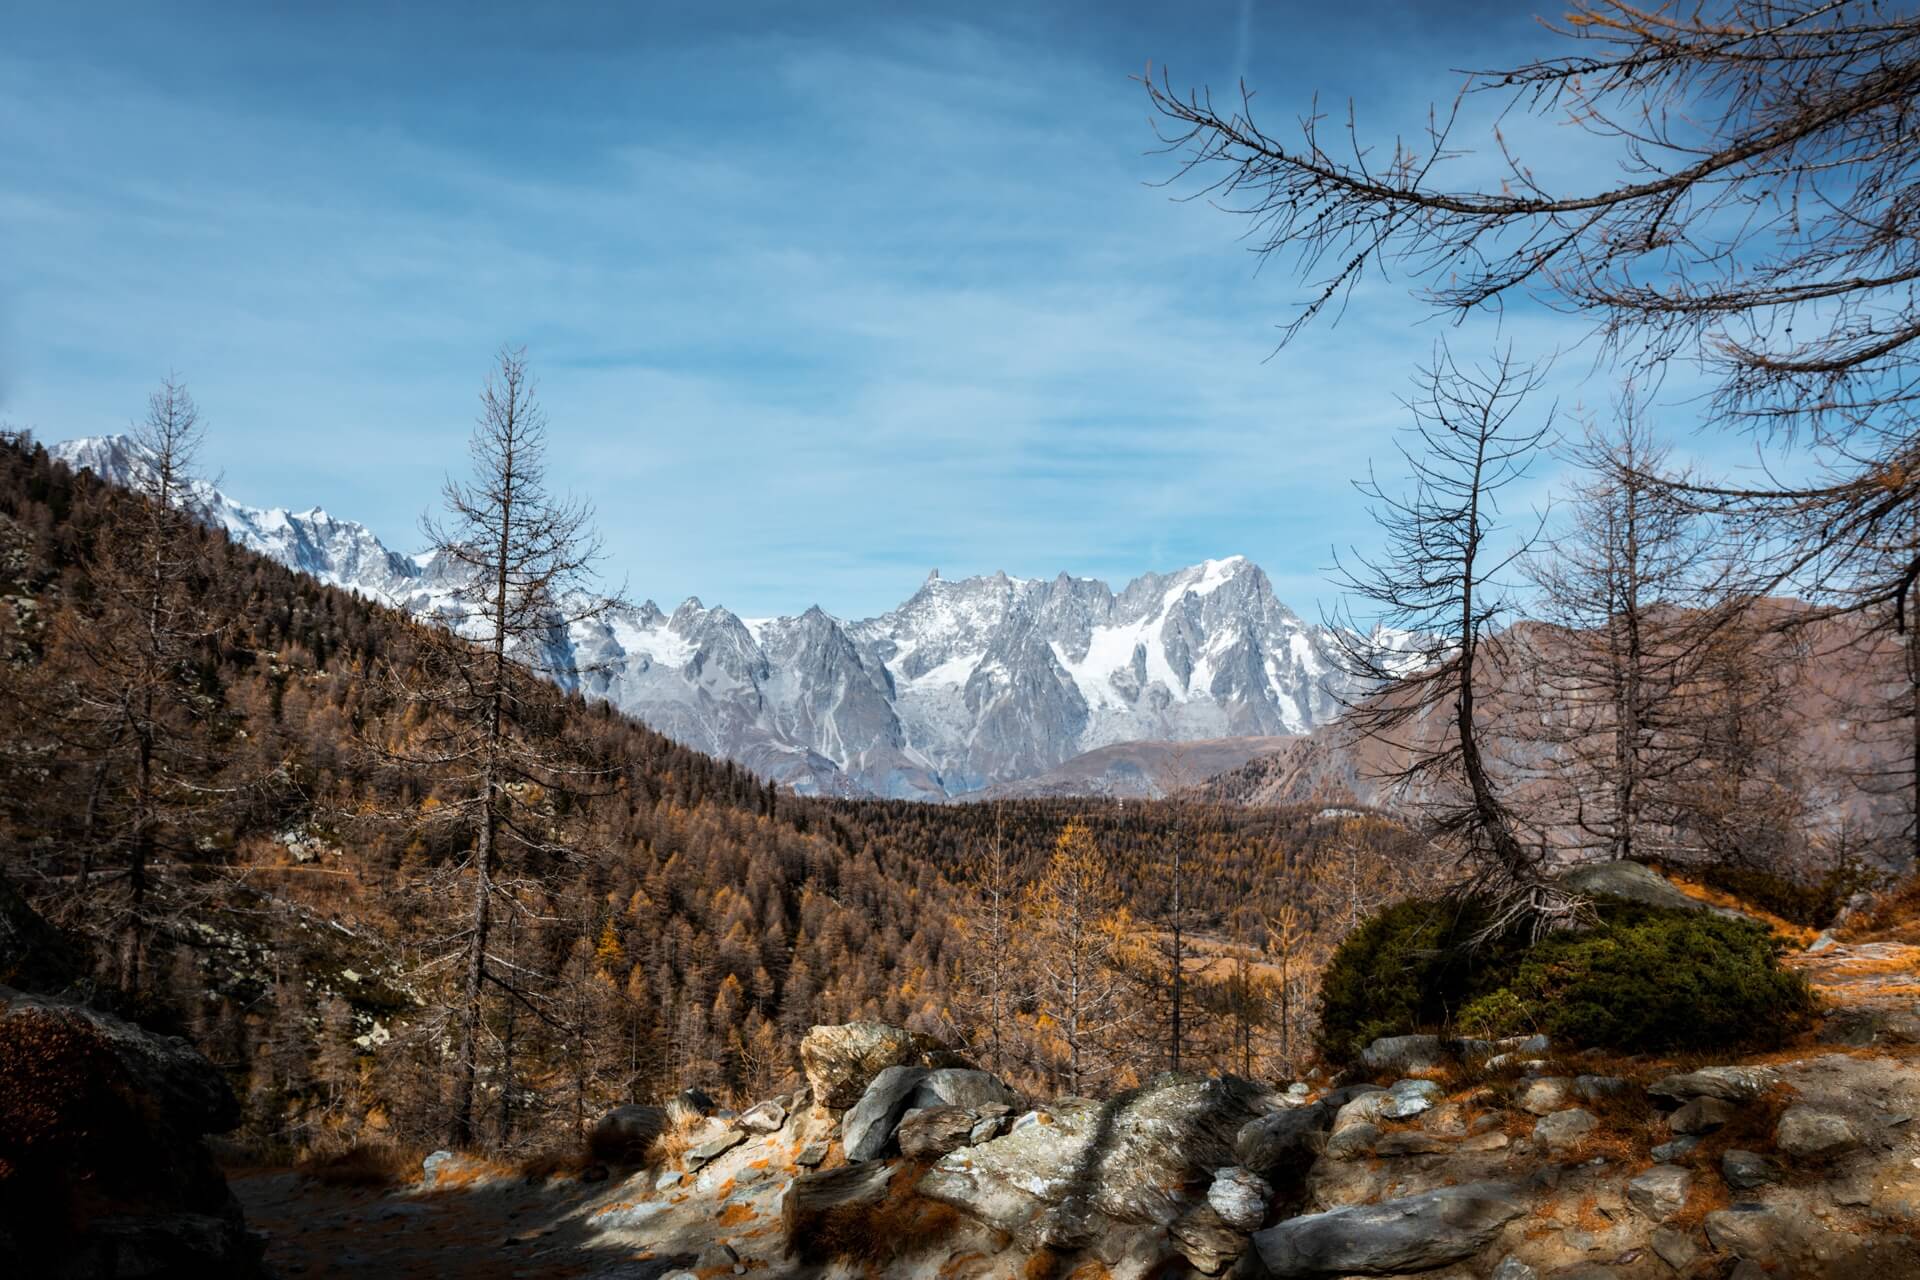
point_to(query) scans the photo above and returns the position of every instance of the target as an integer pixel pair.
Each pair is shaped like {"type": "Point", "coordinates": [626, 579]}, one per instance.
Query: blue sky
{"type": "Point", "coordinates": [820, 296]}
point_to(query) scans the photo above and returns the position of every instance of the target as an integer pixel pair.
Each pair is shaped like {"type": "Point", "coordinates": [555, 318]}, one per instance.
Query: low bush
{"type": "Point", "coordinates": [1640, 979]}
{"type": "Point", "coordinates": [1813, 899]}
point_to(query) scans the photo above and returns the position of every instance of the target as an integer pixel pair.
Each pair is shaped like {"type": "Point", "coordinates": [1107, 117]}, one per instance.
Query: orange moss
{"type": "Point", "coordinates": [734, 1215]}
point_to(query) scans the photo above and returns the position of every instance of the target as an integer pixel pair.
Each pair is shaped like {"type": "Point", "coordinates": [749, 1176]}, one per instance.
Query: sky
{"type": "Point", "coordinates": [820, 296]}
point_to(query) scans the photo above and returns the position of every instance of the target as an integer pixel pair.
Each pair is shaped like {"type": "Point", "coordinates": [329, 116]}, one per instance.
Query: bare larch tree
{"type": "Point", "coordinates": [1759, 223]}
{"type": "Point", "coordinates": [521, 562]}
{"type": "Point", "coordinates": [1438, 581]}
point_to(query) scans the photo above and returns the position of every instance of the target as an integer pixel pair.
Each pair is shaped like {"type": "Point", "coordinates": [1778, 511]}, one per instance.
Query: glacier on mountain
{"type": "Point", "coordinates": [969, 683]}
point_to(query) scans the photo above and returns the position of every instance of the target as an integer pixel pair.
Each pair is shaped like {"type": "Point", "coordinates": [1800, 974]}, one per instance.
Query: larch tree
{"type": "Point", "coordinates": [139, 722]}
{"type": "Point", "coordinates": [1617, 675]}
{"type": "Point", "coordinates": [1439, 582]}
{"type": "Point", "coordinates": [520, 562]}
{"type": "Point", "coordinates": [1070, 909]}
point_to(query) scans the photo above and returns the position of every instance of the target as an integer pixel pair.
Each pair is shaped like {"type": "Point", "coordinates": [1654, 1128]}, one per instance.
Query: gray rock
{"type": "Point", "coordinates": [1661, 1191]}
{"type": "Point", "coordinates": [1746, 1231]}
{"type": "Point", "coordinates": [1411, 1143]}
{"type": "Point", "coordinates": [962, 1087]}
{"type": "Point", "coordinates": [811, 1155]}
{"type": "Point", "coordinates": [624, 1133]}
{"type": "Point", "coordinates": [986, 1129]}
{"type": "Point", "coordinates": [1809, 1134]}
{"type": "Point", "coordinates": [1408, 1098]}
{"type": "Point", "coordinates": [1745, 1170]}
{"type": "Point", "coordinates": [1206, 1240]}
{"type": "Point", "coordinates": [867, 1130]}
{"type": "Point", "coordinates": [1668, 1152]}
{"type": "Point", "coordinates": [669, 1180]}
{"type": "Point", "coordinates": [1595, 1088]}
{"type": "Point", "coordinates": [431, 1166]}
{"type": "Point", "coordinates": [1702, 1115]}
{"type": "Point", "coordinates": [714, 1148]}
{"type": "Point", "coordinates": [766, 1117]}
{"type": "Point", "coordinates": [1410, 1234]}
{"type": "Point", "coordinates": [1636, 882]}
{"type": "Point", "coordinates": [1563, 1130]}
{"type": "Point", "coordinates": [925, 1133]}
{"type": "Point", "coordinates": [1675, 1247]}
{"type": "Point", "coordinates": [1511, 1268]}
{"type": "Point", "coordinates": [1729, 1084]}
{"type": "Point", "coordinates": [1080, 1168]}
{"type": "Point", "coordinates": [1544, 1095]}
{"type": "Point", "coordinates": [1420, 1052]}
{"type": "Point", "coordinates": [1353, 1142]}
{"type": "Point", "coordinates": [1281, 1141]}
{"type": "Point", "coordinates": [1240, 1198]}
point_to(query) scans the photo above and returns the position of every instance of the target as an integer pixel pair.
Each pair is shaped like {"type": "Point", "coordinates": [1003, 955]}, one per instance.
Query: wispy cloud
{"type": "Point", "coordinates": [816, 305]}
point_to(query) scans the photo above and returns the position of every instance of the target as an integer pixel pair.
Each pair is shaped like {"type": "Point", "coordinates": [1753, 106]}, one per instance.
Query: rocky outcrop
{"type": "Point", "coordinates": [102, 1169]}
{"type": "Point", "coordinates": [1078, 1169]}
{"type": "Point", "coordinates": [841, 1061]}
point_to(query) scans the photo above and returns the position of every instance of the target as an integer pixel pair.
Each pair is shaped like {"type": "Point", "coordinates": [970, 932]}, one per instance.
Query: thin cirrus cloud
{"type": "Point", "coordinates": [816, 305]}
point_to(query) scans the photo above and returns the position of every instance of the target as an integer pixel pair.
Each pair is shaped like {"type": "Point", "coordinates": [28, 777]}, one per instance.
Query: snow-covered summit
{"type": "Point", "coordinates": [968, 682]}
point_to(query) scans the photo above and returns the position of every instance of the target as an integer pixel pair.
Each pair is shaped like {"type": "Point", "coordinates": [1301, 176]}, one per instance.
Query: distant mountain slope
{"type": "Point", "coordinates": [1139, 770]}
{"type": "Point", "coordinates": [970, 683]}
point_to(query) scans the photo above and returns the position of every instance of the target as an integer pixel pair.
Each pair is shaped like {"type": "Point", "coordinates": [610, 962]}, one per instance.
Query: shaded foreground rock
{"type": "Point", "coordinates": [102, 1171]}
{"type": "Point", "coordinates": [814, 1198]}
{"type": "Point", "coordinates": [1409, 1234]}
{"type": "Point", "coordinates": [623, 1135]}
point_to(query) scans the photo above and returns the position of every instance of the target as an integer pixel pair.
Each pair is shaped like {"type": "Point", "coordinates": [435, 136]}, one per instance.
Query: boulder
{"type": "Point", "coordinates": [1414, 1233]}
{"type": "Point", "coordinates": [1064, 1175]}
{"type": "Point", "coordinates": [811, 1155]}
{"type": "Point", "coordinates": [624, 1133]}
{"type": "Point", "coordinates": [765, 1117]}
{"type": "Point", "coordinates": [1411, 1143]}
{"type": "Point", "coordinates": [963, 1087]}
{"type": "Point", "coordinates": [841, 1061]}
{"type": "Point", "coordinates": [1661, 1191]}
{"type": "Point", "coordinates": [1745, 1170]}
{"type": "Point", "coordinates": [1728, 1084]}
{"type": "Point", "coordinates": [1751, 1231]}
{"type": "Point", "coordinates": [1240, 1198]}
{"type": "Point", "coordinates": [696, 1101]}
{"type": "Point", "coordinates": [1427, 1052]}
{"type": "Point", "coordinates": [1563, 1130]}
{"type": "Point", "coordinates": [106, 1173]}
{"type": "Point", "coordinates": [1636, 882]}
{"type": "Point", "coordinates": [1806, 1133]}
{"type": "Point", "coordinates": [1544, 1095]}
{"type": "Point", "coordinates": [1511, 1268]}
{"type": "Point", "coordinates": [1702, 1115]}
{"type": "Point", "coordinates": [1353, 1142]}
{"type": "Point", "coordinates": [867, 1129]}
{"type": "Point", "coordinates": [1676, 1248]}
{"type": "Point", "coordinates": [1206, 1240]}
{"type": "Point", "coordinates": [925, 1133]}
{"type": "Point", "coordinates": [1282, 1140]}
{"type": "Point", "coordinates": [1596, 1088]}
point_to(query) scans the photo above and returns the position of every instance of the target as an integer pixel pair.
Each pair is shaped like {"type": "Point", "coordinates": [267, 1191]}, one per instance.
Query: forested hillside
{"type": "Point", "coordinates": [220, 773]}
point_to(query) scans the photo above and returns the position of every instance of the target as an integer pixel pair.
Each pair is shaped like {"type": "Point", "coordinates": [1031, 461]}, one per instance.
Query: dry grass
{"type": "Point", "coordinates": [366, 1166]}
{"type": "Point", "coordinates": [1894, 916]}
{"type": "Point", "coordinates": [670, 1148]}
{"type": "Point", "coordinates": [570, 1159]}
{"type": "Point", "coordinates": [874, 1236]}
{"type": "Point", "coordinates": [1799, 934]}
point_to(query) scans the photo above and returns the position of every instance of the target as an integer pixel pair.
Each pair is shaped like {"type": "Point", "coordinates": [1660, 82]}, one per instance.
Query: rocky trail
{"type": "Point", "coordinates": [1457, 1160]}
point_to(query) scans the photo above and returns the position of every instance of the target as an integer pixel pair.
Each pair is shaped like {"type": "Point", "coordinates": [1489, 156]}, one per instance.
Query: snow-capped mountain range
{"type": "Point", "coordinates": [969, 683]}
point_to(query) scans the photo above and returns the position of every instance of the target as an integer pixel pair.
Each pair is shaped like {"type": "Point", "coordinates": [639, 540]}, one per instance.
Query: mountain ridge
{"type": "Point", "coordinates": [968, 684]}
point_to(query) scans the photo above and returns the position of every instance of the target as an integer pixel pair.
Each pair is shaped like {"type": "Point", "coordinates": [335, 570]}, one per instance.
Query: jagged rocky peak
{"type": "Point", "coordinates": [967, 683]}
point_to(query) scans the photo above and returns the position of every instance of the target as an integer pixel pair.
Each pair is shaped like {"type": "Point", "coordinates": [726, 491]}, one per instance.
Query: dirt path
{"type": "Point", "coordinates": [492, 1232]}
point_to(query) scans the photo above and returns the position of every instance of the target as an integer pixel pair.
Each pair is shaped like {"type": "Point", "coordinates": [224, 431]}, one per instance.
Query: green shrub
{"type": "Point", "coordinates": [1407, 969]}
{"type": "Point", "coordinates": [1640, 979]}
{"type": "Point", "coordinates": [1813, 900]}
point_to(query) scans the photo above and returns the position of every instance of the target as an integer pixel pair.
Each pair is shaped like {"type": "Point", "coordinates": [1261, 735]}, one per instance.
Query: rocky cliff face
{"type": "Point", "coordinates": [967, 684]}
